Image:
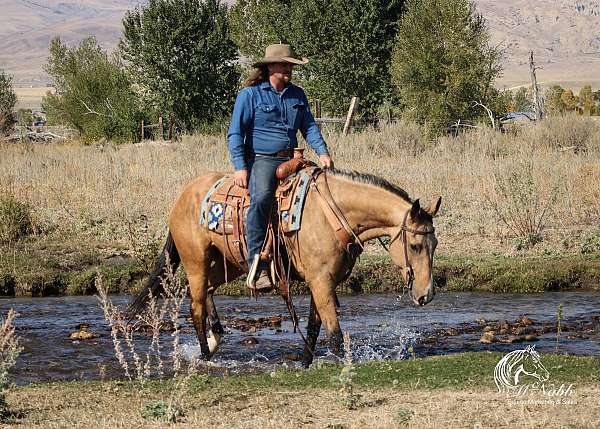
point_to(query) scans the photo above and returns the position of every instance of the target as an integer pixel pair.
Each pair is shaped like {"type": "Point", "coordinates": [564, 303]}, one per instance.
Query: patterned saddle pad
{"type": "Point", "coordinates": [224, 210]}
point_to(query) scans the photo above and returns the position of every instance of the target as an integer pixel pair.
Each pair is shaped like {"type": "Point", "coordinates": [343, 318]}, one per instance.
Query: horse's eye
{"type": "Point", "coordinates": [415, 248]}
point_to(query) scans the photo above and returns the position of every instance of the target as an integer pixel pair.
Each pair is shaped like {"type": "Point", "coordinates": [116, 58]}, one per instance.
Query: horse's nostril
{"type": "Point", "coordinates": [422, 301]}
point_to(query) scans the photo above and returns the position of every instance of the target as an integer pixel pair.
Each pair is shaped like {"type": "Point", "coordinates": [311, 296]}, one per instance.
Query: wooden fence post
{"type": "Point", "coordinates": [160, 128]}
{"type": "Point", "coordinates": [170, 128]}
{"type": "Point", "coordinates": [142, 130]}
{"type": "Point", "coordinates": [350, 115]}
{"type": "Point", "coordinates": [317, 108]}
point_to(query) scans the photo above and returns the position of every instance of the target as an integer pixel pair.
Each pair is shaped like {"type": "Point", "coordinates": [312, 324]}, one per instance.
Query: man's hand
{"type": "Point", "coordinates": [326, 161]}
{"type": "Point", "coordinates": [240, 178]}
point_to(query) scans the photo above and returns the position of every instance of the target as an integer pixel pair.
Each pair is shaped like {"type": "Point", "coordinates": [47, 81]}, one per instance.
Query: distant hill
{"type": "Point", "coordinates": [565, 35]}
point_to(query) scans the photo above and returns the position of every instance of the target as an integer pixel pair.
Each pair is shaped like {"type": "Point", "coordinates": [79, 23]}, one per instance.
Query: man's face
{"type": "Point", "coordinates": [281, 71]}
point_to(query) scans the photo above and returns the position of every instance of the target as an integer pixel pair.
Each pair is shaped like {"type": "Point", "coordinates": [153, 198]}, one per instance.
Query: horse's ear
{"type": "Point", "coordinates": [434, 207]}
{"type": "Point", "coordinates": [414, 210]}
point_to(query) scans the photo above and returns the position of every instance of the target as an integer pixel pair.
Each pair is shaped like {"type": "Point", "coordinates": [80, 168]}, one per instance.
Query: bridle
{"type": "Point", "coordinates": [410, 273]}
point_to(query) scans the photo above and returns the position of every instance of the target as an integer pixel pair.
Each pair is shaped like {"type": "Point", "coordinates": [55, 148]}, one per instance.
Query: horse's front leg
{"type": "Point", "coordinates": [323, 292]}
{"type": "Point", "coordinates": [312, 330]}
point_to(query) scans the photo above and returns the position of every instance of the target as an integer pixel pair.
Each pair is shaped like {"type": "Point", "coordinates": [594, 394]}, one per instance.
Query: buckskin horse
{"type": "Point", "coordinates": [372, 207]}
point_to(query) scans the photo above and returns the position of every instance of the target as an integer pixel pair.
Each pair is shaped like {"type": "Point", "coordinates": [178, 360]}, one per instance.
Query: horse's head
{"type": "Point", "coordinates": [532, 365]}
{"type": "Point", "coordinates": [412, 247]}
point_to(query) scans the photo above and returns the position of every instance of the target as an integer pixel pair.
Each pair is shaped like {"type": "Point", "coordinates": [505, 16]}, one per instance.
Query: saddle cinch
{"type": "Point", "coordinates": [224, 209]}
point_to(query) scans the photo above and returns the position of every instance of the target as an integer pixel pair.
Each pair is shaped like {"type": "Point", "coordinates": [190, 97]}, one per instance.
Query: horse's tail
{"type": "Point", "coordinates": [154, 283]}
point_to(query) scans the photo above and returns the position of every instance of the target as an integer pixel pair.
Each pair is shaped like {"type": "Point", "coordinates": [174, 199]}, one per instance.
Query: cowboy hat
{"type": "Point", "coordinates": [280, 53]}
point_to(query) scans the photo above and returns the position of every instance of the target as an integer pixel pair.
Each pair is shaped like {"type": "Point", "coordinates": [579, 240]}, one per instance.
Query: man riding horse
{"type": "Point", "coordinates": [267, 115]}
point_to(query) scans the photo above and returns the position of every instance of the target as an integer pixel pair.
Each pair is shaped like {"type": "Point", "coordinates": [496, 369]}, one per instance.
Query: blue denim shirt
{"type": "Point", "coordinates": [265, 121]}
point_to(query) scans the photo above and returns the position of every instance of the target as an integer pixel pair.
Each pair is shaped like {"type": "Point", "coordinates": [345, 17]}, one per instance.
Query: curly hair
{"type": "Point", "coordinates": [258, 75]}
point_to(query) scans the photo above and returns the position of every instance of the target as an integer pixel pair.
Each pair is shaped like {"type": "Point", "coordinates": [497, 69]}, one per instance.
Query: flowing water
{"type": "Point", "coordinates": [381, 326]}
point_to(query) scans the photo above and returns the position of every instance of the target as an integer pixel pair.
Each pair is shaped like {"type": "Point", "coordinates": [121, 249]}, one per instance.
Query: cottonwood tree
{"type": "Point", "coordinates": [348, 42]}
{"type": "Point", "coordinates": [8, 99]}
{"type": "Point", "coordinates": [443, 62]}
{"type": "Point", "coordinates": [93, 93]}
{"type": "Point", "coordinates": [553, 102]}
{"type": "Point", "coordinates": [180, 56]}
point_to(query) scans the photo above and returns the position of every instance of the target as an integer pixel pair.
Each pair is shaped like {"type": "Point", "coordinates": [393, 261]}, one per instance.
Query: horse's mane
{"type": "Point", "coordinates": [370, 179]}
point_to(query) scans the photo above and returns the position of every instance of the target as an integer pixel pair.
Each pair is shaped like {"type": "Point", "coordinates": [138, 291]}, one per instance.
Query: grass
{"type": "Point", "coordinates": [106, 206]}
{"type": "Point", "coordinates": [458, 390]}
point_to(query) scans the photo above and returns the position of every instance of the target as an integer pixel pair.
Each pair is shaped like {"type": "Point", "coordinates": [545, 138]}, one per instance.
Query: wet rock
{"type": "Point", "coordinates": [481, 321]}
{"type": "Point", "coordinates": [503, 326]}
{"type": "Point", "coordinates": [249, 341]}
{"type": "Point", "coordinates": [83, 335]}
{"type": "Point", "coordinates": [429, 340]}
{"type": "Point", "coordinates": [487, 338]}
{"type": "Point", "coordinates": [525, 321]}
{"type": "Point", "coordinates": [531, 337]}
{"type": "Point", "coordinates": [451, 332]}
{"type": "Point", "coordinates": [249, 324]}
{"type": "Point", "coordinates": [296, 357]}
{"type": "Point", "coordinates": [522, 330]}
{"type": "Point", "coordinates": [488, 328]}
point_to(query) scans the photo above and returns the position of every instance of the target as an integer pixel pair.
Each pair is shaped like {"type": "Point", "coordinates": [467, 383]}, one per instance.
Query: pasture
{"type": "Point", "coordinates": [520, 213]}
{"type": "Point", "coordinates": [529, 193]}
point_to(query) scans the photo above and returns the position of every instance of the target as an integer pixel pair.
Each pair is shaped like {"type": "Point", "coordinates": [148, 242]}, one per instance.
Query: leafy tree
{"type": "Point", "coordinates": [442, 61]}
{"type": "Point", "coordinates": [586, 100]}
{"type": "Point", "coordinates": [554, 104]}
{"type": "Point", "coordinates": [93, 93]}
{"type": "Point", "coordinates": [181, 57]}
{"type": "Point", "coordinates": [569, 100]}
{"type": "Point", "coordinates": [349, 45]}
{"type": "Point", "coordinates": [8, 99]}
{"type": "Point", "coordinates": [522, 100]}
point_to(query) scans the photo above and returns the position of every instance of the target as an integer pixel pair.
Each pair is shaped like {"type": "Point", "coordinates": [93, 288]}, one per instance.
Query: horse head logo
{"type": "Point", "coordinates": [517, 368]}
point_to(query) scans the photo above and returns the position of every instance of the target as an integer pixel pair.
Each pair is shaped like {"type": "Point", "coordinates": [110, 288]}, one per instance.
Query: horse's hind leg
{"type": "Point", "coordinates": [216, 277]}
{"type": "Point", "coordinates": [312, 330]}
{"type": "Point", "coordinates": [198, 280]}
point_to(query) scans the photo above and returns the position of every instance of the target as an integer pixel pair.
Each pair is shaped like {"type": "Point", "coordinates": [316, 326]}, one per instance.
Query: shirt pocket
{"type": "Point", "coordinates": [266, 114]}
{"type": "Point", "coordinates": [297, 113]}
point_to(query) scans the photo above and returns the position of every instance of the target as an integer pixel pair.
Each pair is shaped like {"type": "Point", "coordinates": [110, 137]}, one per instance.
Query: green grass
{"type": "Point", "coordinates": [45, 267]}
{"type": "Point", "coordinates": [457, 371]}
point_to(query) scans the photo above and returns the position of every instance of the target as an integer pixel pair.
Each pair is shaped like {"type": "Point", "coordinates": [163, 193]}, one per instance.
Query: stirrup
{"type": "Point", "coordinates": [252, 272]}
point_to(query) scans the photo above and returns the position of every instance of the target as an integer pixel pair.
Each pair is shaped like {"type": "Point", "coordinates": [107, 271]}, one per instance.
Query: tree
{"type": "Point", "coordinates": [586, 100]}
{"type": "Point", "coordinates": [181, 57]}
{"type": "Point", "coordinates": [8, 99]}
{"type": "Point", "coordinates": [442, 62]}
{"type": "Point", "coordinates": [569, 100]}
{"type": "Point", "coordinates": [554, 104]}
{"type": "Point", "coordinates": [348, 43]}
{"type": "Point", "coordinates": [93, 93]}
{"type": "Point", "coordinates": [522, 100]}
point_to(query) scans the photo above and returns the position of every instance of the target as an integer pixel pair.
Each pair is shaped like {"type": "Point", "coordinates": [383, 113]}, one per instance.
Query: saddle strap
{"type": "Point", "coordinates": [348, 240]}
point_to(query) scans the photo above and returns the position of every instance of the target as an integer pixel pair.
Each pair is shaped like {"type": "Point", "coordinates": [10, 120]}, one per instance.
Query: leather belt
{"type": "Point", "coordinates": [287, 153]}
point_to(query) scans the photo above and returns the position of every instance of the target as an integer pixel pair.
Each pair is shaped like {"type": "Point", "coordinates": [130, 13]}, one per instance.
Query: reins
{"type": "Point", "coordinates": [410, 273]}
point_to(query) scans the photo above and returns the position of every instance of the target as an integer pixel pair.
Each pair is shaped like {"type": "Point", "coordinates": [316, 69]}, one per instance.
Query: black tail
{"type": "Point", "coordinates": [154, 282]}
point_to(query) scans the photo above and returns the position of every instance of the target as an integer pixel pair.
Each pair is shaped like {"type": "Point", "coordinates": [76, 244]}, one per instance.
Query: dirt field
{"type": "Point", "coordinates": [31, 98]}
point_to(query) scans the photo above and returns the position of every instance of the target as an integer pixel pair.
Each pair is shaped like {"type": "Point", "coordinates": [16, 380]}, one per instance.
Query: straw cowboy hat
{"type": "Point", "coordinates": [280, 53]}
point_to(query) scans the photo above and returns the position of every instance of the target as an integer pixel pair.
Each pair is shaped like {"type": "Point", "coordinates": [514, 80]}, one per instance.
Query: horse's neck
{"type": "Point", "coordinates": [370, 210]}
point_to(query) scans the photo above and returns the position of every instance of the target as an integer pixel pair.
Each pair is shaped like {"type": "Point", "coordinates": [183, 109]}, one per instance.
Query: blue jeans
{"type": "Point", "coordinates": [262, 185]}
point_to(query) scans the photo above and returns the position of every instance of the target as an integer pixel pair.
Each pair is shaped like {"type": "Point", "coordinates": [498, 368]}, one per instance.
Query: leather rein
{"type": "Point", "coordinates": [350, 240]}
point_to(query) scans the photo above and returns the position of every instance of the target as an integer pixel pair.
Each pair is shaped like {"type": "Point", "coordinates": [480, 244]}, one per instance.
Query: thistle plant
{"type": "Point", "coordinates": [9, 352]}
{"type": "Point", "coordinates": [346, 395]}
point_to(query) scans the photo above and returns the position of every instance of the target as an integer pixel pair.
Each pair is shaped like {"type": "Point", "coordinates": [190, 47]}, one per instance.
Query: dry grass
{"type": "Point", "coordinates": [111, 406]}
{"type": "Point", "coordinates": [99, 192]}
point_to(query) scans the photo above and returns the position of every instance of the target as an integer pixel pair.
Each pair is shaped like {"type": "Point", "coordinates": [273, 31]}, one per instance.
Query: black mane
{"type": "Point", "coordinates": [370, 179]}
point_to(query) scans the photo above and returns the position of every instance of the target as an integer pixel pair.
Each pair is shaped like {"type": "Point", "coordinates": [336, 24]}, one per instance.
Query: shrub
{"type": "Point", "coordinates": [521, 203]}
{"type": "Point", "coordinates": [15, 219]}
{"type": "Point", "coordinates": [8, 99]}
